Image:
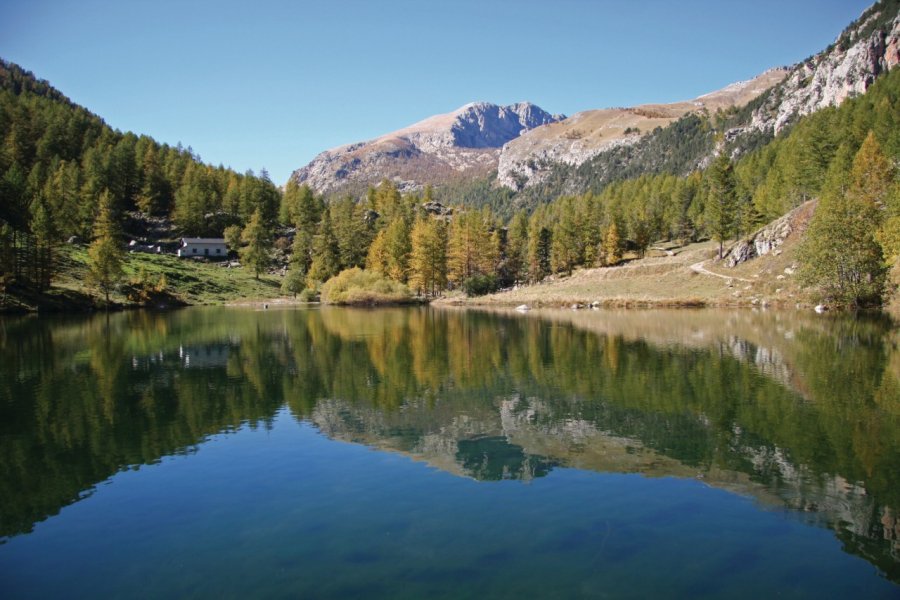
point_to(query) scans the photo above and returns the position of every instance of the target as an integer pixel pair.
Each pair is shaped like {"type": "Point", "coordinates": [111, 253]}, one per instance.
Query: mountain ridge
{"type": "Point", "coordinates": [549, 158]}
{"type": "Point", "coordinates": [464, 141]}
{"type": "Point", "coordinates": [525, 160]}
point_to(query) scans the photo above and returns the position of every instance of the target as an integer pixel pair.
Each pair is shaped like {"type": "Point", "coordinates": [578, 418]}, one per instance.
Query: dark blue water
{"type": "Point", "coordinates": [222, 453]}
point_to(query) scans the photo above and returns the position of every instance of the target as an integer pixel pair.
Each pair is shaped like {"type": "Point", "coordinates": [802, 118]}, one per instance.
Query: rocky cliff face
{"type": "Point", "coordinates": [526, 144]}
{"type": "Point", "coordinates": [770, 237]}
{"type": "Point", "coordinates": [867, 48]}
{"type": "Point", "coordinates": [847, 68]}
{"type": "Point", "coordinates": [464, 143]}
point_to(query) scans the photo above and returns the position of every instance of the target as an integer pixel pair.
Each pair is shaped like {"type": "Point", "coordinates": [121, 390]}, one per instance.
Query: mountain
{"type": "Point", "coordinates": [538, 156]}
{"type": "Point", "coordinates": [867, 48]}
{"type": "Point", "coordinates": [527, 159]}
{"type": "Point", "coordinates": [439, 149]}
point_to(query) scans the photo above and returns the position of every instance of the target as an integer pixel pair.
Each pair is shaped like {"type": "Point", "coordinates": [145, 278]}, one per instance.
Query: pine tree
{"type": "Point", "coordinates": [428, 259]}
{"type": "Point", "coordinates": [297, 203]}
{"type": "Point", "coordinates": [353, 233]}
{"type": "Point", "coordinates": [388, 202]}
{"type": "Point", "coordinates": [721, 207]}
{"type": "Point", "coordinates": [152, 196]}
{"type": "Point", "coordinates": [326, 260]}
{"type": "Point", "coordinates": [612, 251]}
{"type": "Point", "coordinates": [377, 259]}
{"type": "Point", "coordinates": [232, 236]}
{"type": "Point", "coordinates": [469, 248]}
{"type": "Point", "coordinates": [46, 239]}
{"type": "Point", "coordinates": [839, 255]}
{"type": "Point", "coordinates": [517, 247]}
{"type": "Point", "coordinates": [539, 241]}
{"type": "Point", "coordinates": [305, 210]}
{"type": "Point", "coordinates": [564, 253]}
{"type": "Point", "coordinates": [105, 255]}
{"type": "Point", "coordinates": [872, 175]}
{"type": "Point", "coordinates": [257, 245]}
{"type": "Point", "coordinates": [397, 246]}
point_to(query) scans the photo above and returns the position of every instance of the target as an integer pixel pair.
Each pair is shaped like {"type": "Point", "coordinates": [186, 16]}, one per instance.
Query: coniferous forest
{"type": "Point", "coordinates": [67, 176]}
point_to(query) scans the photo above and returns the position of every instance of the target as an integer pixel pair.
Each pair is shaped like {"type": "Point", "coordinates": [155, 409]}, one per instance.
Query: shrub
{"type": "Point", "coordinates": [479, 285]}
{"type": "Point", "coordinates": [356, 286]}
{"type": "Point", "coordinates": [308, 295]}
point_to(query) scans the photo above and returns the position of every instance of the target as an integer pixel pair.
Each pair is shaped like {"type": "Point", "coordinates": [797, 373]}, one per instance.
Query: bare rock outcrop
{"type": "Point", "coordinates": [846, 69]}
{"type": "Point", "coordinates": [442, 148]}
{"type": "Point", "coordinates": [766, 239]}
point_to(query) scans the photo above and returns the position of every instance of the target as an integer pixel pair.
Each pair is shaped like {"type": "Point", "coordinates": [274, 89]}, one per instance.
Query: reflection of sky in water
{"type": "Point", "coordinates": [283, 510]}
{"type": "Point", "coordinates": [716, 454]}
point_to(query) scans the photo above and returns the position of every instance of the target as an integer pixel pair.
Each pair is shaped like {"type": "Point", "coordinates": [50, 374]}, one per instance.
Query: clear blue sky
{"type": "Point", "coordinates": [271, 84]}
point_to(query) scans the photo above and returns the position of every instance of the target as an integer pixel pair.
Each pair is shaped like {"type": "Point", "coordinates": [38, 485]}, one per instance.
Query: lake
{"type": "Point", "coordinates": [441, 453]}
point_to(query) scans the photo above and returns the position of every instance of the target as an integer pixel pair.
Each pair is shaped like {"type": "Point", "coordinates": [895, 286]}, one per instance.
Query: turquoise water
{"type": "Point", "coordinates": [420, 453]}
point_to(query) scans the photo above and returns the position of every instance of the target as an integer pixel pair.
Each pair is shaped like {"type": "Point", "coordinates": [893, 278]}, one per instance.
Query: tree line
{"type": "Point", "coordinates": [62, 167]}
{"type": "Point", "coordinates": [65, 173]}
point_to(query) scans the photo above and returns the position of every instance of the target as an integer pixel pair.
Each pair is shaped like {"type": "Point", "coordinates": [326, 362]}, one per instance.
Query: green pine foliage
{"type": "Point", "coordinates": [840, 256]}
{"type": "Point", "coordinates": [105, 255]}
{"type": "Point", "coordinates": [257, 250]}
{"type": "Point", "coordinates": [57, 160]}
{"type": "Point", "coordinates": [326, 254]}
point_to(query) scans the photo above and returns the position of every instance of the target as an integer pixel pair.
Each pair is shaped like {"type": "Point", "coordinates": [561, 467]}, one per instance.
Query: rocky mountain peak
{"type": "Point", "coordinates": [464, 142]}
{"type": "Point", "coordinates": [486, 125]}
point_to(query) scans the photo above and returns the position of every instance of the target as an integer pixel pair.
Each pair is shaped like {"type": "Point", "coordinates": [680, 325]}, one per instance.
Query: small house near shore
{"type": "Point", "coordinates": [208, 247]}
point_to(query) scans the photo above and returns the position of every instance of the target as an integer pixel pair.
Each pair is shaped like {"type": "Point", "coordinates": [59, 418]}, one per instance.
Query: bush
{"type": "Point", "coordinates": [356, 286]}
{"type": "Point", "coordinates": [479, 285]}
{"type": "Point", "coordinates": [308, 295]}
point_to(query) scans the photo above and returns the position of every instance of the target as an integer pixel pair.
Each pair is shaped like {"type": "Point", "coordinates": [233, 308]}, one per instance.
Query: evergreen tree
{"type": "Point", "coordinates": [353, 233]}
{"type": "Point", "coordinates": [612, 245]}
{"type": "Point", "coordinates": [397, 246]}
{"type": "Point", "coordinates": [428, 259]}
{"type": "Point", "coordinates": [14, 211]}
{"type": "Point", "coordinates": [839, 255]}
{"type": "Point", "coordinates": [152, 198]}
{"type": "Point", "coordinates": [564, 250]}
{"type": "Point", "coordinates": [257, 245]}
{"type": "Point", "coordinates": [194, 199]}
{"type": "Point", "coordinates": [297, 203]}
{"type": "Point", "coordinates": [326, 259]}
{"type": "Point", "coordinates": [376, 258]}
{"type": "Point", "coordinates": [45, 233]}
{"type": "Point", "coordinates": [539, 241]}
{"type": "Point", "coordinates": [232, 236]}
{"type": "Point", "coordinates": [721, 206]}
{"type": "Point", "coordinates": [388, 202]}
{"type": "Point", "coordinates": [105, 255]}
{"type": "Point", "coordinates": [305, 209]}
{"type": "Point", "coordinates": [469, 250]}
{"type": "Point", "coordinates": [517, 247]}
{"type": "Point", "coordinates": [872, 175]}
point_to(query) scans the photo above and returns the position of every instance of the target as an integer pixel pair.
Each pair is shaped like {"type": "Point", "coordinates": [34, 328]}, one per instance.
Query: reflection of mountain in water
{"type": "Point", "coordinates": [798, 413]}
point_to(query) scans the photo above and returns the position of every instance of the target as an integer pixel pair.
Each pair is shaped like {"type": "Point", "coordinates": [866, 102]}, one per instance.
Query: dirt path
{"type": "Point", "coordinates": [699, 268]}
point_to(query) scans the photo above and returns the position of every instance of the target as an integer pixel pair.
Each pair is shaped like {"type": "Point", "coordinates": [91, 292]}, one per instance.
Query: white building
{"type": "Point", "coordinates": [208, 247]}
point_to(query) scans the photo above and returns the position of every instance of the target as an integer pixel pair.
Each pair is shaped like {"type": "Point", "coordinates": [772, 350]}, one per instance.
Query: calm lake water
{"type": "Point", "coordinates": [410, 453]}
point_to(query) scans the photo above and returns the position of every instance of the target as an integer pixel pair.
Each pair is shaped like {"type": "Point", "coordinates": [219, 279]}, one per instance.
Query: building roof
{"type": "Point", "coordinates": [202, 240]}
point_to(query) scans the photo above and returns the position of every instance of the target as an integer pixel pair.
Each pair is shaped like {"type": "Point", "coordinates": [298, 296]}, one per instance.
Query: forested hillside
{"type": "Point", "coordinates": [59, 164]}
{"type": "Point", "coordinates": [844, 156]}
{"type": "Point", "coordinates": [865, 50]}
{"type": "Point", "coordinates": [64, 173]}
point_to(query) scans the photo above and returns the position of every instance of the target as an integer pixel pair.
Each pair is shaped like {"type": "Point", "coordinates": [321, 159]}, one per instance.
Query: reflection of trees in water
{"type": "Point", "coordinates": [805, 413]}
{"type": "Point", "coordinates": [494, 458]}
